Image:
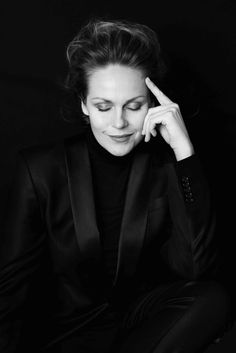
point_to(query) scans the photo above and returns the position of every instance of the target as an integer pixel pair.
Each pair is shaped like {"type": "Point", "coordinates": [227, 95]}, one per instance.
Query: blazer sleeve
{"type": "Point", "coordinates": [22, 235]}
{"type": "Point", "coordinates": [191, 250]}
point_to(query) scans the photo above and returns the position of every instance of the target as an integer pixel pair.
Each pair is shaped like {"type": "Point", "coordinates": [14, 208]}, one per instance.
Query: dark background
{"type": "Point", "coordinates": [199, 40]}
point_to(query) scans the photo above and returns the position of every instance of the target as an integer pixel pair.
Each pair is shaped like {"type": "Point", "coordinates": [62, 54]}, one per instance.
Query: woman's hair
{"type": "Point", "coordinates": [101, 42]}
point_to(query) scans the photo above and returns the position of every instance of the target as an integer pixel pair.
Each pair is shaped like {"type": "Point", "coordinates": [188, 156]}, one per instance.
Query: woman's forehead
{"type": "Point", "coordinates": [116, 81]}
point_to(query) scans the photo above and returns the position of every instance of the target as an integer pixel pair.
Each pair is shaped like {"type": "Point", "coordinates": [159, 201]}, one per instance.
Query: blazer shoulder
{"type": "Point", "coordinates": [48, 153]}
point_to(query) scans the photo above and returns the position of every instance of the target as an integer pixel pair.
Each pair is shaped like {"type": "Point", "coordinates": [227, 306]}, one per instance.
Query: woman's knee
{"type": "Point", "coordinates": [215, 299]}
{"type": "Point", "coordinates": [217, 294]}
{"type": "Point", "coordinates": [205, 320]}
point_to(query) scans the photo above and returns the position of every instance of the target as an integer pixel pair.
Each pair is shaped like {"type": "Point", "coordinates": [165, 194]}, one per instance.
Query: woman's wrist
{"type": "Point", "coordinates": [186, 150]}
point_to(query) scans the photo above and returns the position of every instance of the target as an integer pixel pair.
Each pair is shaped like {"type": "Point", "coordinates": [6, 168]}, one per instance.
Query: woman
{"type": "Point", "coordinates": [113, 228]}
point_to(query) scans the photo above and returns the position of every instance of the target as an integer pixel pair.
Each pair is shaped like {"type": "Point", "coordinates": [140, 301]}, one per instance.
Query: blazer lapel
{"type": "Point", "coordinates": [82, 198]}
{"type": "Point", "coordinates": [135, 213]}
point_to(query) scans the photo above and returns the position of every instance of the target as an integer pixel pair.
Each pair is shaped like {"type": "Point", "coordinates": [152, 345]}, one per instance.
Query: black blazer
{"type": "Point", "coordinates": [50, 235]}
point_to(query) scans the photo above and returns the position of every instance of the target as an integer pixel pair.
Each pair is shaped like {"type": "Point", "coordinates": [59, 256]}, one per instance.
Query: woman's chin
{"type": "Point", "coordinates": [119, 152]}
{"type": "Point", "coordinates": [120, 149]}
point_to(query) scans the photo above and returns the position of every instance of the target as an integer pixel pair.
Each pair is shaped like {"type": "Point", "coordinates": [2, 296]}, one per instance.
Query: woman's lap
{"type": "Point", "coordinates": [185, 316]}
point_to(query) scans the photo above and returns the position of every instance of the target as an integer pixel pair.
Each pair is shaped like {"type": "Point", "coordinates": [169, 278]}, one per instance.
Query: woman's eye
{"type": "Point", "coordinates": [103, 108]}
{"type": "Point", "coordinates": [134, 106]}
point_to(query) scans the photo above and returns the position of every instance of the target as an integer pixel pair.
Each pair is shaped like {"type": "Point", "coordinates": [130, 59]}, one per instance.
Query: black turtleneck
{"type": "Point", "coordinates": [110, 176]}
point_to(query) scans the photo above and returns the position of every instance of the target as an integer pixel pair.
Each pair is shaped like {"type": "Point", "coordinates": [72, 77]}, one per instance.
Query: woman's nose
{"type": "Point", "coordinates": [119, 119]}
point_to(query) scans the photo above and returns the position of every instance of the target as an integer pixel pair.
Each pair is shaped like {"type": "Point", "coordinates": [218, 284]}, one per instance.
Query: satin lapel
{"type": "Point", "coordinates": [134, 219]}
{"type": "Point", "coordinates": [82, 198]}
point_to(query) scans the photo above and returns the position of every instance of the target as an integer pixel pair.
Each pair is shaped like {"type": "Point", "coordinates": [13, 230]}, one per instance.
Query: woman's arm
{"type": "Point", "coordinates": [191, 250]}
{"type": "Point", "coordinates": [22, 235]}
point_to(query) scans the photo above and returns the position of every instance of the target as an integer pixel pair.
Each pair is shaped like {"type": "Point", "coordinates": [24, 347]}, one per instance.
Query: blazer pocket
{"type": "Point", "coordinates": [158, 203]}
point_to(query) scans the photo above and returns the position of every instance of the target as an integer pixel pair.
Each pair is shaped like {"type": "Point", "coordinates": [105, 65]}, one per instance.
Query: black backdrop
{"type": "Point", "coordinates": [199, 38]}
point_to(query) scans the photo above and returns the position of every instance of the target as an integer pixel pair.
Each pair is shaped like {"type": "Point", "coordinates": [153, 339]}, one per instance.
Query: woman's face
{"type": "Point", "coordinates": [117, 103]}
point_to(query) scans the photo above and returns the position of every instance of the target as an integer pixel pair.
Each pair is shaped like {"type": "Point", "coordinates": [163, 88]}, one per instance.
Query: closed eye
{"type": "Point", "coordinates": [131, 106]}
{"type": "Point", "coordinates": [134, 106]}
{"type": "Point", "coordinates": [103, 107]}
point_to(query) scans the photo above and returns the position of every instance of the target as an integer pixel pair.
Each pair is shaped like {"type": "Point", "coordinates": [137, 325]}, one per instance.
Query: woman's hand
{"type": "Point", "coordinates": [168, 119]}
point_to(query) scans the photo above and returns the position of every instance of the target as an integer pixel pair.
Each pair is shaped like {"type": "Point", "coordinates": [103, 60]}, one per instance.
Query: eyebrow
{"type": "Point", "coordinates": [128, 101]}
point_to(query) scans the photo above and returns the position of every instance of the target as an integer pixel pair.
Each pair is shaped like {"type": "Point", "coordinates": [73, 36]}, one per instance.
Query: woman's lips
{"type": "Point", "coordinates": [120, 138]}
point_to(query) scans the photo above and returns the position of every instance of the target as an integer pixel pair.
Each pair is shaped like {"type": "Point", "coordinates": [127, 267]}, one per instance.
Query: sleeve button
{"type": "Point", "coordinates": [189, 199]}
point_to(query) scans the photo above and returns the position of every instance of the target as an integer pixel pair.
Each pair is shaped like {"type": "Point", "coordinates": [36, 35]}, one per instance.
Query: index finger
{"type": "Point", "coordinates": [160, 96]}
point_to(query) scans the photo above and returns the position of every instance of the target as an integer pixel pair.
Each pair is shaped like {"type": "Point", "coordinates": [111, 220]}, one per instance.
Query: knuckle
{"type": "Point", "coordinates": [173, 110]}
{"type": "Point", "coordinates": [175, 106]}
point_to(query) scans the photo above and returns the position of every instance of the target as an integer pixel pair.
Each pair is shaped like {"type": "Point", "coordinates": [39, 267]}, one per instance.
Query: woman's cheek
{"type": "Point", "coordinates": [97, 119]}
{"type": "Point", "coordinates": [141, 121]}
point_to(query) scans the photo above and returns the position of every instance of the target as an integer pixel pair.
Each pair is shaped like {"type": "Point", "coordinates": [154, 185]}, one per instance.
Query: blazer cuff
{"type": "Point", "coordinates": [191, 178]}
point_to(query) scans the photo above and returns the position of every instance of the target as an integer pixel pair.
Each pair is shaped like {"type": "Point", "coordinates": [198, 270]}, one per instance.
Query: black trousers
{"type": "Point", "coordinates": [184, 316]}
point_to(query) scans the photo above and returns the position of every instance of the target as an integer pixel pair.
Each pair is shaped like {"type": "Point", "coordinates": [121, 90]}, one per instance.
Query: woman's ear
{"type": "Point", "coordinates": [84, 108]}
